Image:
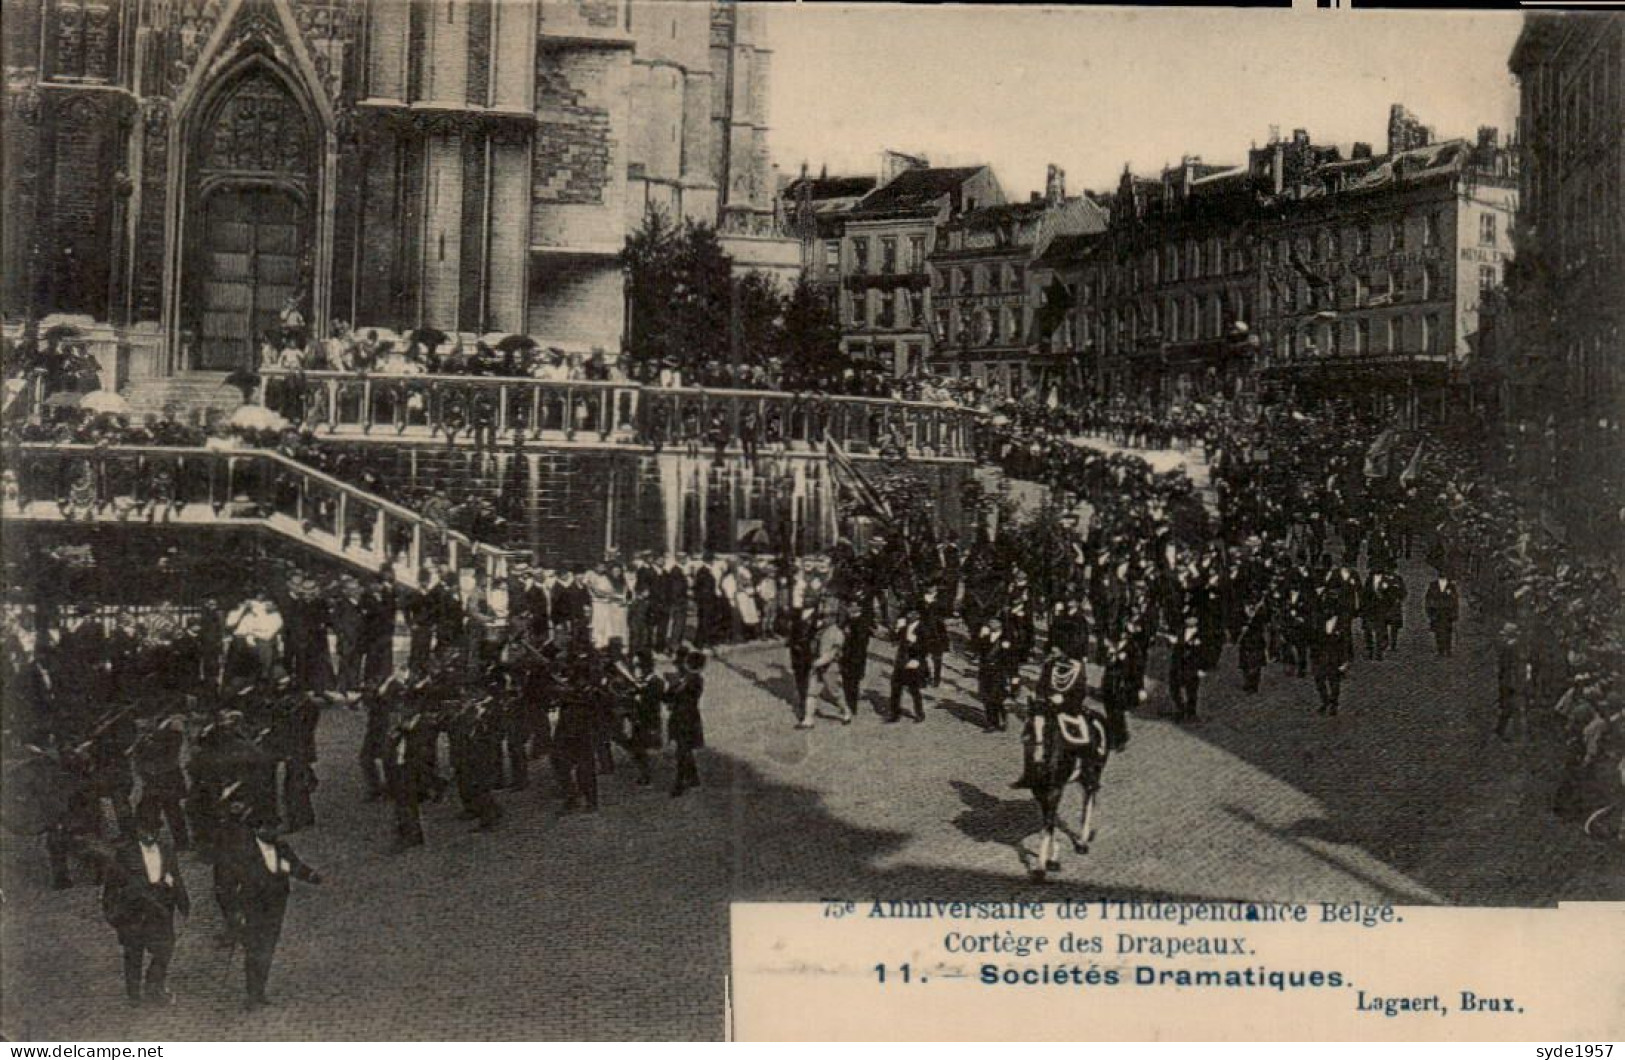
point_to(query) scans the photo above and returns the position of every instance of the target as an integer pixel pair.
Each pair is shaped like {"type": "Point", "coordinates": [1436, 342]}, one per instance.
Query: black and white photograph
{"type": "Point", "coordinates": [488, 485]}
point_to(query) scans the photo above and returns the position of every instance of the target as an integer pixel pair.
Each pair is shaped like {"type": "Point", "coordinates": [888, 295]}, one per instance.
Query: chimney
{"type": "Point", "coordinates": [1275, 134]}
{"type": "Point", "coordinates": [1362, 150]}
{"type": "Point", "coordinates": [1300, 136]}
{"type": "Point", "coordinates": [1277, 166]}
{"type": "Point", "coordinates": [1054, 185]}
{"type": "Point", "coordinates": [1489, 137]}
{"type": "Point", "coordinates": [1033, 196]}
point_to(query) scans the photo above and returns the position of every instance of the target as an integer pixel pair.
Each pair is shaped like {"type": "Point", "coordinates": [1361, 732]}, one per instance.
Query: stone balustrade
{"type": "Point", "coordinates": [505, 409]}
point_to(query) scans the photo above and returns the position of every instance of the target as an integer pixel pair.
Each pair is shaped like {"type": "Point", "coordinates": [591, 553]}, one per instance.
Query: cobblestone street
{"type": "Point", "coordinates": [607, 926]}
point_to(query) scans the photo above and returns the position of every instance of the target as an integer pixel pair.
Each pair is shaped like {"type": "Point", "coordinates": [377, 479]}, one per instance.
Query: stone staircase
{"type": "Point", "coordinates": [195, 398]}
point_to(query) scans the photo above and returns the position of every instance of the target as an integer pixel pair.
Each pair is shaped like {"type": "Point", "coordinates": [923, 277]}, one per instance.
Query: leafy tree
{"type": "Point", "coordinates": [812, 356]}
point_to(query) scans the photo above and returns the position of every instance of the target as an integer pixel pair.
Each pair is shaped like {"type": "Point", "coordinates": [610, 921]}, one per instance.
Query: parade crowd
{"type": "Point", "coordinates": [200, 732]}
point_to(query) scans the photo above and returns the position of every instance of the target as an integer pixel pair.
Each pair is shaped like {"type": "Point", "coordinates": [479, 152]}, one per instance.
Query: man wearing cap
{"type": "Point", "coordinates": [252, 883]}
{"type": "Point", "coordinates": [142, 892]}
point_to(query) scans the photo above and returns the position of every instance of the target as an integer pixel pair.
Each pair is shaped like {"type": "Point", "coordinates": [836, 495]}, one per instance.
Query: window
{"type": "Point", "coordinates": [1154, 266]}
{"type": "Point", "coordinates": [1431, 333]}
{"type": "Point", "coordinates": [832, 257]}
{"type": "Point", "coordinates": [1430, 282]}
{"type": "Point", "coordinates": [916, 253]}
{"type": "Point", "coordinates": [1396, 334]}
{"type": "Point", "coordinates": [1488, 278]}
{"type": "Point", "coordinates": [979, 279]}
{"type": "Point", "coordinates": [1334, 336]}
{"type": "Point", "coordinates": [888, 256]}
{"type": "Point", "coordinates": [1362, 337]}
{"type": "Point", "coordinates": [860, 307]}
{"type": "Point", "coordinates": [945, 328]}
{"type": "Point", "coordinates": [1362, 240]}
{"type": "Point", "coordinates": [1362, 290]}
{"type": "Point", "coordinates": [1171, 256]}
{"type": "Point", "coordinates": [1193, 259]}
{"type": "Point", "coordinates": [1215, 316]}
{"type": "Point", "coordinates": [959, 281]}
{"type": "Point", "coordinates": [939, 279]}
{"type": "Point", "coordinates": [1397, 235]}
{"type": "Point", "coordinates": [1486, 230]}
{"type": "Point", "coordinates": [1430, 229]}
{"type": "Point", "coordinates": [860, 255]}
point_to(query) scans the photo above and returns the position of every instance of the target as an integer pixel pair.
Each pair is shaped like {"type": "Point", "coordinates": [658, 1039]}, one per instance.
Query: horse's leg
{"type": "Point", "coordinates": [1091, 798]}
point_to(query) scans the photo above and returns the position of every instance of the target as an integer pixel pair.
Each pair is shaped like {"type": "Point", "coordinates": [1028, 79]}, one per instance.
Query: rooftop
{"type": "Point", "coordinates": [915, 189]}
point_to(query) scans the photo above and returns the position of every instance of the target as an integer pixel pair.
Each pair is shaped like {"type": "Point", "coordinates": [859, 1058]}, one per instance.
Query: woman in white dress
{"type": "Point", "coordinates": [750, 615]}
{"type": "Point", "coordinates": [608, 589]}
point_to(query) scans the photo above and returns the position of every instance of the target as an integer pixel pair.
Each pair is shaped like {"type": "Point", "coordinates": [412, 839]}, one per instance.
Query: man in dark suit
{"type": "Point", "coordinates": [685, 727]}
{"type": "Point", "coordinates": [705, 604]}
{"type": "Point", "coordinates": [908, 672]}
{"type": "Point", "coordinates": [157, 758]}
{"type": "Point", "coordinates": [378, 630]}
{"type": "Point", "coordinates": [253, 886]}
{"type": "Point", "coordinates": [1329, 658]}
{"type": "Point", "coordinates": [1442, 604]}
{"type": "Point", "coordinates": [676, 601]}
{"type": "Point", "coordinates": [143, 891]}
{"type": "Point", "coordinates": [1185, 668]}
{"type": "Point", "coordinates": [803, 642]}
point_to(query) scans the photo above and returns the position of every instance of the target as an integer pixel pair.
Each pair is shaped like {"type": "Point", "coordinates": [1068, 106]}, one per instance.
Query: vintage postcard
{"type": "Point", "coordinates": [628, 520]}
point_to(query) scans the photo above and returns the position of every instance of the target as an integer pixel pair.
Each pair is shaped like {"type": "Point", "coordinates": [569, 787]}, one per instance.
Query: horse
{"type": "Point", "coordinates": [1074, 748]}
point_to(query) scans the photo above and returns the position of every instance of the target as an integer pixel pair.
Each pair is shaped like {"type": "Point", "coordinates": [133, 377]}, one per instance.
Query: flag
{"type": "Point", "coordinates": [1377, 458]}
{"type": "Point", "coordinates": [846, 473]}
{"type": "Point", "coordinates": [1413, 468]}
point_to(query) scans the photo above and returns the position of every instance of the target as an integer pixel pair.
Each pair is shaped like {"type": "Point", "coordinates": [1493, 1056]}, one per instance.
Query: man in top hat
{"type": "Point", "coordinates": [908, 665]}
{"type": "Point", "coordinates": [252, 883]}
{"type": "Point", "coordinates": [142, 892]}
{"type": "Point", "coordinates": [157, 758]}
{"type": "Point", "coordinates": [995, 670]}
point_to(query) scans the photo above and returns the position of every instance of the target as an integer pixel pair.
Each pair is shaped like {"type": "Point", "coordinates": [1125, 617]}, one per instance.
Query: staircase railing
{"type": "Point", "coordinates": [505, 409]}
{"type": "Point", "coordinates": [201, 486]}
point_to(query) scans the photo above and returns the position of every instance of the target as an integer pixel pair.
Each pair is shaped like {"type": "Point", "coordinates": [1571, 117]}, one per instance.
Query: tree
{"type": "Point", "coordinates": [812, 355]}
{"type": "Point", "coordinates": [678, 286]}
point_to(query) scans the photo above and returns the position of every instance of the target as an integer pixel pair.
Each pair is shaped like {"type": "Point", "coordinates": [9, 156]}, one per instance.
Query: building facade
{"type": "Point", "coordinates": [1300, 268]}
{"type": "Point", "coordinates": [983, 298]}
{"type": "Point", "coordinates": [177, 172]}
{"type": "Point", "coordinates": [1565, 358]}
{"type": "Point", "coordinates": [1379, 265]}
{"type": "Point", "coordinates": [887, 240]}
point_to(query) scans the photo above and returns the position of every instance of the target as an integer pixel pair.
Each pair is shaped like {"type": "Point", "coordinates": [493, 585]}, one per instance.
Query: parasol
{"type": "Point", "coordinates": [430, 337]}
{"type": "Point", "coordinates": [64, 399]}
{"type": "Point", "coordinates": [105, 401]}
{"type": "Point", "coordinates": [515, 342]}
{"type": "Point", "coordinates": [257, 418]}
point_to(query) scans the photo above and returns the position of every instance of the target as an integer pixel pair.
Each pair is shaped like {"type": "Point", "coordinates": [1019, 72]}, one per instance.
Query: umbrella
{"type": "Point", "coordinates": [430, 337]}
{"type": "Point", "coordinates": [64, 399]}
{"type": "Point", "coordinates": [60, 332]}
{"type": "Point", "coordinates": [257, 418]}
{"type": "Point", "coordinates": [516, 342]}
{"type": "Point", "coordinates": [105, 401]}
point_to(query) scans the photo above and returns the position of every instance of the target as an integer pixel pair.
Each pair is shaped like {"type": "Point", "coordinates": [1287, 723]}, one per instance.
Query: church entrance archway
{"type": "Point", "coordinates": [249, 216]}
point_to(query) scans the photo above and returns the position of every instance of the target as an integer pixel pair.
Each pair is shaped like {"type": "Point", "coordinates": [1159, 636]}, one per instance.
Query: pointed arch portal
{"type": "Point", "coordinates": [250, 212]}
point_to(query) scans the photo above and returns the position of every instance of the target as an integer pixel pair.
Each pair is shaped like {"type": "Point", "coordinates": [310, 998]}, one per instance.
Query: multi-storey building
{"type": "Point", "coordinates": [177, 172]}
{"type": "Point", "coordinates": [983, 298]}
{"type": "Point", "coordinates": [886, 242]}
{"type": "Point", "coordinates": [1567, 290]}
{"type": "Point", "coordinates": [813, 211]}
{"type": "Point", "coordinates": [1155, 306]}
{"type": "Point", "coordinates": [1315, 269]}
{"type": "Point", "coordinates": [1376, 267]}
